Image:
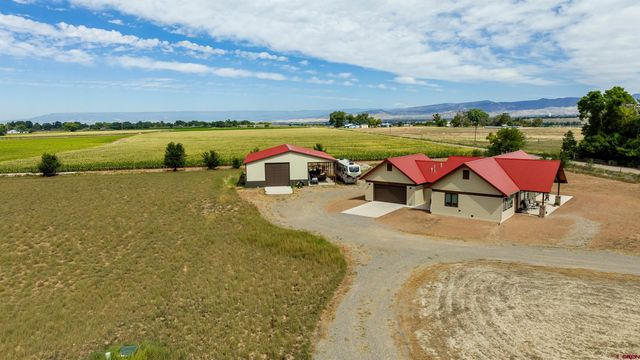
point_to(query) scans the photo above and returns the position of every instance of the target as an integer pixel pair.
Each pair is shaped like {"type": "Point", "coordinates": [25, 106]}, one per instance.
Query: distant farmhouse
{"type": "Point", "coordinates": [469, 187]}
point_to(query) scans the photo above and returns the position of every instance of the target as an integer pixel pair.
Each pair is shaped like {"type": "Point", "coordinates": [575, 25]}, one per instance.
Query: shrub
{"type": "Point", "coordinates": [478, 153]}
{"type": "Point", "coordinates": [211, 159]}
{"type": "Point", "coordinates": [319, 147]}
{"type": "Point", "coordinates": [174, 156]}
{"type": "Point", "coordinates": [505, 140]}
{"type": "Point", "coordinates": [236, 163]}
{"type": "Point", "coordinates": [3, 130]}
{"type": "Point", "coordinates": [49, 165]}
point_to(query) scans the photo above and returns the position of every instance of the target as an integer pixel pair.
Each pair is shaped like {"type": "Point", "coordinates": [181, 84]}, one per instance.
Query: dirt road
{"type": "Point", "coordinates": [365, 324]}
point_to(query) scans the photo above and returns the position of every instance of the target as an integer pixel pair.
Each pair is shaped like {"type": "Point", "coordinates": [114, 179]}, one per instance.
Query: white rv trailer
{"type": "Point", "coordinates": [348, 171]}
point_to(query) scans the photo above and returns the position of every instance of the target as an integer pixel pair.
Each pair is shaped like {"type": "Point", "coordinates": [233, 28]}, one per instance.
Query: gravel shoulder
{"type": "Point", "coordinates": [365, 324]}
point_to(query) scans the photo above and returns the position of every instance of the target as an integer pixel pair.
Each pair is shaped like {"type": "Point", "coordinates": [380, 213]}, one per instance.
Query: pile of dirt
{"type": "Point", "coordinates": [494, 310]}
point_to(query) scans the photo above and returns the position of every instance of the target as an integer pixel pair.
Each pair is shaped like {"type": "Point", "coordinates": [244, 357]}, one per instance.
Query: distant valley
{"type": "Point", "coordinates": [528, 108]}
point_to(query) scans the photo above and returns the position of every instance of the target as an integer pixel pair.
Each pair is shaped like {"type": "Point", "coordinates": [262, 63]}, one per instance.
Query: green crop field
{"type": "Point", "coordinates": [178, 259]}
{"type": "Point", "coordinates": [25, 147]}
{"type": "Point", "coordinates": [146, 150]}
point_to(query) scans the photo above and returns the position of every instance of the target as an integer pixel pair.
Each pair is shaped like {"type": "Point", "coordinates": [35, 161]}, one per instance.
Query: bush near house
{"type": "Point", "coordinates": [505, 140]}
{"type": "Point", "coordinates": [211, 159]}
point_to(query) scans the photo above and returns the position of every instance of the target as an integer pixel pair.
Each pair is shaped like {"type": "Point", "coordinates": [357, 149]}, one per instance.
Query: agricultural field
{"type": "Point", "coordinates": [146, 150]}
{"type": "Point", "coordinates": [171, 258]}
{"type": "Point", "coordinates": [539, 140]}
{"type": "Point", "coordinates": [25, 147]}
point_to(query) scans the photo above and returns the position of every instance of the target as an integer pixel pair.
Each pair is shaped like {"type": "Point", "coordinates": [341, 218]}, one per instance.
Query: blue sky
{"type": "Point", "coordinates": [167, 55]}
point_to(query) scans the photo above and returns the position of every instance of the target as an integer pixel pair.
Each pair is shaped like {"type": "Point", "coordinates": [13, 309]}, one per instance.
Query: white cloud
{"type": "Point", "coordinates": [303, 62]}
{"type": "Point", "coordinates": [146, 63]}
{"type": "Point", "coordinates": [116, 22]}
{"type": "Point", "coordinates": [408, 80]}
{"type": "Point", "coordinates": [316, 80]}
{"type": "Point", "coordinates": [464, 40]}
{"type": "Point", "coordinates": [104, 37]}
{"type": "Point", "coordinates": [202, 49]}
{"type": "Point", "coordinates": [259, 55]}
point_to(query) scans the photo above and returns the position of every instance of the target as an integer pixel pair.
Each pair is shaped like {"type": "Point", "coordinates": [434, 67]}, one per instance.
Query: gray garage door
{"type": "Point", "coordinates": [390, 193]}
{"type": "Point", "coordinates": [277, 174]}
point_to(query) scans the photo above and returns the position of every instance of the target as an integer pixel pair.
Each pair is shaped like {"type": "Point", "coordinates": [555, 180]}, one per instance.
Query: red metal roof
{"type": "Point", "coordinates": [520, 154]}
{"type": "Point", "coordinates": [490, 170]}
{"type": "Point", "coordinates": [407, 165]}
{"type": "Point", "coordinates": [531, 175]}
{"type": "Point", "coordinates": [285, 148]}
{"type": "Point", "coordinates": [436, 170]}
{"type": "Point", "coordinates": [508, 173]}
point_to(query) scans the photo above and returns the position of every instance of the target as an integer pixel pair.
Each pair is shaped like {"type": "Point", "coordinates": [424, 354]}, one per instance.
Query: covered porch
{"type": "Point", "coordinates": [322, 173]}
{"type": "Point", "coordinates": [542, 204]}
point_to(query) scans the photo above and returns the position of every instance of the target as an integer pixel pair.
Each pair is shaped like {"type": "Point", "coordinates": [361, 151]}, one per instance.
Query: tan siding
{"type": "Point", "coordinates": [415, 195]}
{"type": "Point", "coordinates": [368, 192]}
{"type": "Point", "coordinates": [394, 176]}
{"type": "Point", "coordinates": [480, 207]}
{"type": "Point", "coordinates": [297, 166]}
{"type": "Point", "coordinates": [475, 184]}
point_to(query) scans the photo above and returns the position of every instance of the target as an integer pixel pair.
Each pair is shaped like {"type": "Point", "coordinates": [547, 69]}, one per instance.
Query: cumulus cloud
{"type": "Point", "coordinates": [116, 22]}
{"type": "Point", "coordinates": [464, 40]}
{"type": "Point", "coordinates": [200, 49]}
{"type": "Point", "coordinates": [146, 63]}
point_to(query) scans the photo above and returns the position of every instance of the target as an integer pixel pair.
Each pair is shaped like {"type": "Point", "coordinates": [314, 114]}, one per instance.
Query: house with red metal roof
{"type": "Point", "coordinates": [286, 165]}
{"type": "Point", "coordinates": [470, 187]}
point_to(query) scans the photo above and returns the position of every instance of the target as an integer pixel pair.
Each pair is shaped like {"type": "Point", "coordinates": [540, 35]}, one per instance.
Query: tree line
{"type": "Point", "coordinates": [612, 131]}
{"type": "Point", "coordinates": [340, 118]}
{"type": "Point", "coordinates": [72, 126]}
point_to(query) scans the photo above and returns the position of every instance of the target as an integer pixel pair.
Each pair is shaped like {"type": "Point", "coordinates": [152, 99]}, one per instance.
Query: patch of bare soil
{"type": "Point", "coordinates": [603, 214]}
{"type": "Point", "coordinates": [496, 310]}
{"type": "Point", "coordinates": [342, 205]}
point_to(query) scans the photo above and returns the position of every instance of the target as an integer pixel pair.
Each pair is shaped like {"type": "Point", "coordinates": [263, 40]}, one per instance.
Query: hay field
{"type": "Point", "coordinates": [494, 310]}
{"type": "Point", "coordinates": [146, 150]}
{"type": "Point", "coordinates": [90, 261]}
{"type": "Point", "coordinates": [539, 140]}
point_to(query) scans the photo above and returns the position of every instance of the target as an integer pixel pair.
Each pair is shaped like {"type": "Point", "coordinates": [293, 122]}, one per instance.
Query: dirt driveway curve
{"type": "Point", "coordinates": [365, 324]}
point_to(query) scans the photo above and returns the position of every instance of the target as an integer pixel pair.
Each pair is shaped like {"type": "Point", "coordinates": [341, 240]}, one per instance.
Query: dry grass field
{"type": "Point", "coordinates": [539, 140]}
{"type": "Point", "coordinates": [493, 310]}
{"type": "Point", "coordinates": [603, 214]}
{"type": "Point", "coordinates": [146, 150]}
{"type": "Point", "coordinates": [178, 259]}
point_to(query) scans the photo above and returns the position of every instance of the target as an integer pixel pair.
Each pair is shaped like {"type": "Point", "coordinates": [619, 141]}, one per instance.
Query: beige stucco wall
{"type": "Point", "coordinates": [394, 176]}
{"type": "Point", "coordinates": [415, 195]}
{"type": "Point", "coordinates": [480, 207]}
{"type": "Point", "coordinates": [368, 191]}
{"type": "Point", "coordinates": [475, 184]}
{"type": "Point", "coordinates": [426, 195]}
{"type": "Point", "coordinates": [297, 166]}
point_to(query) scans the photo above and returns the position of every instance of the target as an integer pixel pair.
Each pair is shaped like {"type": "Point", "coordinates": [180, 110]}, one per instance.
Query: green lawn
{"type": "Point", "coordinates": [26, 147]}
{"type": "Point", "coordinates": [178, 259]}
{"type": "Point", "coordinates": [147, 150]}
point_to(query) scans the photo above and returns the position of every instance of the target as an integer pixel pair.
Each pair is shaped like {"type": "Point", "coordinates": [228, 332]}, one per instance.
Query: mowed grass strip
{"type": "Point", "coordinates": [170, 258]}
{"type": "Point", "coordinates": [147, 150]}
{"type": "Point", "coordinates": [26, 147]}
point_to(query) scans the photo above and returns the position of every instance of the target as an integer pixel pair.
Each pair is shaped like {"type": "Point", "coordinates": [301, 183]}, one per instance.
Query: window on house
{"type": "Point", "coordinates": [389, 167]}
{"type": "Point", "coordinates": [465, 174]}
{"type": "Point", "coordinates": [507, 203]}
{"type": "Point", "coordinates": [451, 200]}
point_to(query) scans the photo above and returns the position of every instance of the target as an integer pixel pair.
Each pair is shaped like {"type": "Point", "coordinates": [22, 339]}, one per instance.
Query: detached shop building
{"type": "Point", "coordinates": [489, 189]}
{"type": "Point", "coordinates": [286, 165]}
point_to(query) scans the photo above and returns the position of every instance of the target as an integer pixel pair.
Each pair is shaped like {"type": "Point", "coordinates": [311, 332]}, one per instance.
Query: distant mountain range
{"type": "Point", "coordinates": [542, 107]}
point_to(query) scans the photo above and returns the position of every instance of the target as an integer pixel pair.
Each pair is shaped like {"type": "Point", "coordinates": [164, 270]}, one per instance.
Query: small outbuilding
{"type": "Point", "coordinates": [287, 165]}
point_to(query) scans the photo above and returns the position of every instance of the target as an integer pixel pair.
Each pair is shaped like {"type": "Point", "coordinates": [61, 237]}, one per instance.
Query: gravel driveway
{"type": "Point", "coordinates": [365, 324]}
